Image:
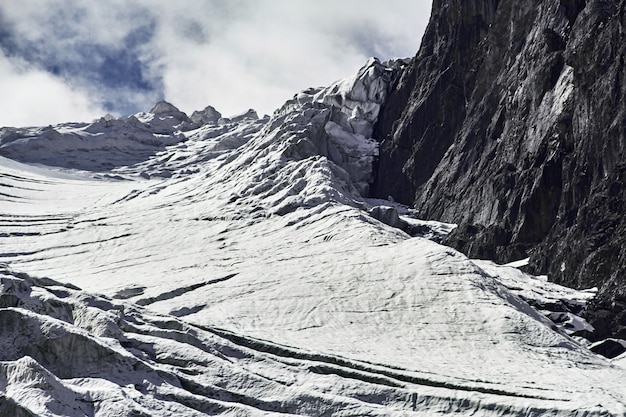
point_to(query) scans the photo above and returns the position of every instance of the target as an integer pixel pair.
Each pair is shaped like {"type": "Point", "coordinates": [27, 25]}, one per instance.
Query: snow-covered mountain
{"type": "Point", "coordinates": [166, 265]}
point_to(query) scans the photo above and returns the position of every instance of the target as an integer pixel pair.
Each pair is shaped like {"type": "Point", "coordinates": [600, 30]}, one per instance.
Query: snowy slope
{"type": "Point", "coordinates": [239, 271]}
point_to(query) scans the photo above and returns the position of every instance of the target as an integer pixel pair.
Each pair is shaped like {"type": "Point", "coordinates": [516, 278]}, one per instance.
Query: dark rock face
{"type": "Point", "coordinates": [511, 121]}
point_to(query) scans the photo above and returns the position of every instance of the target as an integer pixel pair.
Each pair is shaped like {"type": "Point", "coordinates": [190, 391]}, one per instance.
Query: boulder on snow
{"type": "Point", "coordinates": [609, 348]}
{"type": "Point", "coordinates": [386, 214]}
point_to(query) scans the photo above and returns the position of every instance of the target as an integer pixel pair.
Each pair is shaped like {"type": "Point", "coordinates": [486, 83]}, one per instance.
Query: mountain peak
{"type": "Point", "coordinates": [249, 114]}
{"type": "Point", "coordinates": [208, 115]}
{"type": "Point", "coordinates": [164, 107]}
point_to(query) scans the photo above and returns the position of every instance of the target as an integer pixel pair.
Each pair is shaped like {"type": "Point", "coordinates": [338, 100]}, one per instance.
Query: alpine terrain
{"type": "Point", "coordinates": [172, 265]}
{"type": "Point", "coordinates": [511, 122]}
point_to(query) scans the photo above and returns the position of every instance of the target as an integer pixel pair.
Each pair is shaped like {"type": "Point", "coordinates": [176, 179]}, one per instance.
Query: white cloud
{"type": "Point", "coordinates": [230, 54]}
{"type": "Point", "coordinates": [32, 97]}
{"type": "Point", "coordinates": [271, 50]}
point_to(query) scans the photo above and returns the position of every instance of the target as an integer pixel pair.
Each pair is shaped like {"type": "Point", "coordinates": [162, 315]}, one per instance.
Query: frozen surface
{"type": "Point", "coordinates": [240, 271]}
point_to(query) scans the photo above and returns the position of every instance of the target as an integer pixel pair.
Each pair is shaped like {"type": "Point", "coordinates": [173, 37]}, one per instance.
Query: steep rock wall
{"type": "Point", "coordinates": [511, 121]}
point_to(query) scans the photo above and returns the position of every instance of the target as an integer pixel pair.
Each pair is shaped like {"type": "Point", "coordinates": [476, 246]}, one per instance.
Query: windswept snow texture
{"type": "Point", "coordinates": [239, 272]}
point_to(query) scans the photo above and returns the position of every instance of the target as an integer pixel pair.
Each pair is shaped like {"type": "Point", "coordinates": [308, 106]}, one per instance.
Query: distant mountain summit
{"type": "Point", "coordinates": [511, 121]}
{"type": "Point", "coordinates": [163, 107]}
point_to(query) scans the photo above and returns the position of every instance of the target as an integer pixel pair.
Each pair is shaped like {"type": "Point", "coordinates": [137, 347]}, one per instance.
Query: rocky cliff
{"type": "Point", "coordinates": [511, 121]}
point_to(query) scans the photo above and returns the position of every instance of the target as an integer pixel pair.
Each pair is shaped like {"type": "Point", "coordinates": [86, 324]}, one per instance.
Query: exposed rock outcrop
{"type": "Point", "coordinates": [511, 121]}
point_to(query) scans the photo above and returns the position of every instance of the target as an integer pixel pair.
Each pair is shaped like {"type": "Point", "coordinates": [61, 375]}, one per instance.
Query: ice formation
{"type": "Point", "coordinates": [213, 265]}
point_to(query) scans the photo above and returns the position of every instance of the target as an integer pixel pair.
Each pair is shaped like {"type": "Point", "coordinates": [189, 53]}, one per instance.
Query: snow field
{"type": "Point", "coordinates": [240, 272]}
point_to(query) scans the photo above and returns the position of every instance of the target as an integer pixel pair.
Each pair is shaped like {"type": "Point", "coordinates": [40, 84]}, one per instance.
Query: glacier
{"type": "Point", "coordinates": [166, 265]}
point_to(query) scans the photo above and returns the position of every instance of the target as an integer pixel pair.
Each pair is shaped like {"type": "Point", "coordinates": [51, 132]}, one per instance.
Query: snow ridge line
{"type": "Point", "coordinates": [182, 290]}
{"type": "Point", "coordinates": [356, 370]}
{"type": "Point", "coordinates": [17, 254]}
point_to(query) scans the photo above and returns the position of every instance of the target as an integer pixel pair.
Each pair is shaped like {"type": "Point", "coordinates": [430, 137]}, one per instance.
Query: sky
{"type": "Point", "coordinates": [73, 60]}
